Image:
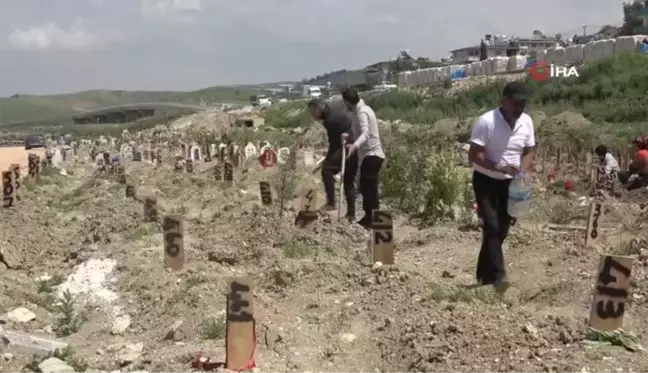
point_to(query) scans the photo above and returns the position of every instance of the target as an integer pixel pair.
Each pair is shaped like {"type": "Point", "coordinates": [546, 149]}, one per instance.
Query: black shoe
{"type": "Point", "coordinates": [501, 285]}
{"type": "Point", "coordinates": [365, 223]}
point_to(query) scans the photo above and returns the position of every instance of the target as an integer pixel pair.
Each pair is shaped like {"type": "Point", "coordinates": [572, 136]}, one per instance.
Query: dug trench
{"type": "Point", "coordinates": [319, 304]}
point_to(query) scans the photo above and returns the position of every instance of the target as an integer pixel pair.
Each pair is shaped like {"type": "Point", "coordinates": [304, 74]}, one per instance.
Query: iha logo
{"type": "Point", "coordinates": [543, 71]}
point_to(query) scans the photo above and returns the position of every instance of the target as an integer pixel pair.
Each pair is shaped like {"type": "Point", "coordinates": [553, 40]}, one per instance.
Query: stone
{"type": "Point", "coordinates": [54, 365]}
{"type": "Point", "coordinates": [120, 325]}
{"type": "Point", "coordinates": [348, 337]}
{"type": "Point", "coordinates": [21, 315]}
{"type": "Point", "coordinates": [30, 344]}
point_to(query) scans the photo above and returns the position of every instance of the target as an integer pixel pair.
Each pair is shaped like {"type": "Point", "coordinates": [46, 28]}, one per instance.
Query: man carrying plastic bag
{"type": "Point", "coordinates": [501, 152]}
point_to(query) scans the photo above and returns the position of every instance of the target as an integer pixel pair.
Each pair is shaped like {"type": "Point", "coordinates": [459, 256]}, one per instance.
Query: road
{"type": "Point", "coordinates": [11, 155]}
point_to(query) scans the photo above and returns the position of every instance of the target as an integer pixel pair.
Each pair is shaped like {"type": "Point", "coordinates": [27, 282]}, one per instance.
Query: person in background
{"type": "Point", "coordinates": [606, 159]}
{"type": "Point", "coordinates": [369, 151]}
{"type": "Point", "coordinates": [637, 175]}
{"type": "Point", "coordinates": [501, 147]}
{"type": "Point", "coordinates": [336, 122]}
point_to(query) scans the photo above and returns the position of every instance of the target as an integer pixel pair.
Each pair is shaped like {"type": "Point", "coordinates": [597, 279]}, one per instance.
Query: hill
{"type": "Point", "coordinates": [30, 108]}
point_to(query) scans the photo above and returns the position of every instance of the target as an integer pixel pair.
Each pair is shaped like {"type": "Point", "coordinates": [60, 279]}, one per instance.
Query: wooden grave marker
{"type": "Point", "coordinates": [382, 237]}
{"type": "Point", "coordinates": [33, 163]}
{"type": "Point", "coordinates": [593, 226]}
{"type": "Point", "coordinates": [612, 285]}
{"type": "Point", "coordinates": [228, 172]}
{"type": "Point", "coordinates": [130, 191]}
{"type": "Point", "coordinates": [307, 213]}
{"type": "Point", "coordinates": [15, 168]}
{"type": "Point", "coordinates": [189, 166]}
{"type": "Point", "coordinates": [266, 193]}
{"type": "Point", "coordinates": [121, 174]}
{"type": "Point", "coordinates": [240, 339]}
{"type": "Point", "coordinates": [137, 155]}
{"type": "Point", "coordinates": [8, 189]}
{"type": "Point", "coordinates": [174, 255]}
{"type": "Point", "coordinates": [150, 208]}
{"type": "Point", "coordinates": [218, 171]}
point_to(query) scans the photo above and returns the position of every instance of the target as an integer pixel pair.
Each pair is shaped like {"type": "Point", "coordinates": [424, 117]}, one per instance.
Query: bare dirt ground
{"type": "Point", "coordinates": [319, 305]}
{"type": "Point", "coordinates": [11, 155]}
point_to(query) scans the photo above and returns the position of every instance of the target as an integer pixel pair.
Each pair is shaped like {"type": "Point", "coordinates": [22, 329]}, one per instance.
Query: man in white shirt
{"type": "Point", "coordinates": [369, 149]}
{"type": "Point", "coordinates": [501, 147]}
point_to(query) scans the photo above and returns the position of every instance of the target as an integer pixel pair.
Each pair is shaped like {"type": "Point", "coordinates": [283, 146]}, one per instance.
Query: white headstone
{"type": "Point", "coordinates": [250, 151]}
{"type": "Point", "coordinates": [212, 150]}
{"type": "Point", "coordinates": [57, 158]}
{"type": "Point", "coordinates": [282, 155]}
{"type": "Point", "coordinates": [195, 154]}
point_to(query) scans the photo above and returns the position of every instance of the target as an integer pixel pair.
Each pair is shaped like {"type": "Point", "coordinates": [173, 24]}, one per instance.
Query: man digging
{"type": "Point", "coordinates": [336, 122]}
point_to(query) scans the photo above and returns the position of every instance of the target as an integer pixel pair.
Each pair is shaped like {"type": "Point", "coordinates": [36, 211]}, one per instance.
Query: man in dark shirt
{"type": "Point", "coordinates": [336, 122]}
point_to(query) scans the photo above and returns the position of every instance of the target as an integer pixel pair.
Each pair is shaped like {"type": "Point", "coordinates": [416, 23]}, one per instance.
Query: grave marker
{"type": "Point", "coordinates": [189, 166]}
{"type": "Point", "coordinates": [593, 228]}
{"type": "Point", "coordinates": [173, 227]}
{"type": "Point", "coordinates": [137, 155]}
{"type": "Point", "coordinates": [121, 174]}
{"type": "Point", "coordinates": [218, 171]}
{"type": "Point", "coordinates": [266, 193]}
{"type": "Point", "coordinates": [240, 339]}
{"type": "Point", "coordinates": [307, 213]}
{"type": "Point", "coordinates": [228, 172]}
{"type": "Point", "coordinates": [612, 284]}
{"type": "Point", "coordinates": [382, 232]}
{"type": "Point", "coordinates": [8, 190]}
{"type": "Point", "coordinates": [150, 208]}
{"type": "Point", "coordinates": [15, 168]}
{"type": "Point", "coordinates": [130, 191]}
{"type": "Point", "coordinates": [33, 162]}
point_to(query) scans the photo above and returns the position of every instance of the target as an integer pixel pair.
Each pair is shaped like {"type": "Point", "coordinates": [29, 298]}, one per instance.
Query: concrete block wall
{"type": "Point", "coordinates": [572, 55]}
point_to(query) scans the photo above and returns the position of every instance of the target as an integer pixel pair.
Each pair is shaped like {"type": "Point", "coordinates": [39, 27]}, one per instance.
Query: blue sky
{"type": "Point", "coordinates": [55, 46]}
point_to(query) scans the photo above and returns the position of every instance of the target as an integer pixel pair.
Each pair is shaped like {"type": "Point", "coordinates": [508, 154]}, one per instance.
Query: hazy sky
{"type": "Point", "coordinates": [52, 46]}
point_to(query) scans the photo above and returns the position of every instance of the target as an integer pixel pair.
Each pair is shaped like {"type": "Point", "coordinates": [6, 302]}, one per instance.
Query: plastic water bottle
{"type": "Point", "coordinates": [519, 198]}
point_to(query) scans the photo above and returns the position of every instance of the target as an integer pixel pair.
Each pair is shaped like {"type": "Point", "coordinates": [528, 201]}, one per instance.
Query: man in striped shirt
{"type": "Point", "coordinates": [369, 150]}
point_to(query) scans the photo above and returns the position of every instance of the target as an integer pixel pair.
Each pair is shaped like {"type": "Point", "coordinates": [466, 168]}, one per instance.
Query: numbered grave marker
{"type": "Point", "coordinates": [137, 155]}
{"type": "Point", "coordinates": [173, 227]}
{"type": "Point", "coordinates": [150, 208]}
{"type": "Point", "coordinates": [218, 172]}
{"type": "Point", "coordinates": [33, 161]}
{"type": "Point", "coordinates": [307, 213]}
{"type": "Point", "coordinates": [228, 172]}
{"type": "Point", "coordinates": [15, 168]}
{"type": "Point", "coordinates": [240, 330]}
{"type": "Point", "coordinates": [266, 193]}
{"type": "Point", "coordinates": [189, 166]}
{"type": "Point", "coordinates": [593, 226]}
{"type": "Point", "coordinates": [612, 285]}
{"type": "Point", "coordinates": [8, 190]}
{"type": "Point", "coordinates": [382, 232]}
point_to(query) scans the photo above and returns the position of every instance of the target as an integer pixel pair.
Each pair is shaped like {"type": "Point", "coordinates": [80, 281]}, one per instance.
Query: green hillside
{"type": "Point", "coordinates": [30, 108]}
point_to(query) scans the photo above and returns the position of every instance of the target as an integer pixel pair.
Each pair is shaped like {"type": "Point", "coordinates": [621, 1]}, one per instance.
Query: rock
{"type": "Point", "coordinates": [127, 353]}
{"type": "Point", "coordinates": [54, 365]}
{"type": "Point", "coordinates": [9, 256]}
{"type": "Point", "coordinates": [348, 337]}
{"type": "Point", "coordinates": [171, 334]}
{"type": "Point", "coordinates": [531, 330]}
{"type": "Point", "coordinates": [120, 325]}
{"type": "Point", "coordinates": [21, 315]}
{"type": "Point", "coordinates": [7, 357]}
{"type": "Point", "coordinates": [376, 267]}
{"type": "Point", "coordinates": [30, 343]}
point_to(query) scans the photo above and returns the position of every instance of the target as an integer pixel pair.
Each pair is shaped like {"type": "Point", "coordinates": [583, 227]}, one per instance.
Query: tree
{"type": "Point", "coordinates": [631, 19]}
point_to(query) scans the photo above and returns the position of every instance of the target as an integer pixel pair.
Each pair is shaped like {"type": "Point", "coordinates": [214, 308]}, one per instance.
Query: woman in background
{"type": "Point", "coordinates": [637, 175]}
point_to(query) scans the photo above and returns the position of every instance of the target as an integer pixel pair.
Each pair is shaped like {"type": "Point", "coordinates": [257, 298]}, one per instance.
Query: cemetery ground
{"type": "Point", "coordinates": [319, 304]}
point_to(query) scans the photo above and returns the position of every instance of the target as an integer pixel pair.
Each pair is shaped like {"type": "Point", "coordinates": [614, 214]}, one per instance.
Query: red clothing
{"type": "Point", "coordinates": [643, 154]}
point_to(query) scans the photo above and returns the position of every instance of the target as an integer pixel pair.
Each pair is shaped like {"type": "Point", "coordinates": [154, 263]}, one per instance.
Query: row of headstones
{"type": "Point", "coordinates": [12, 178]}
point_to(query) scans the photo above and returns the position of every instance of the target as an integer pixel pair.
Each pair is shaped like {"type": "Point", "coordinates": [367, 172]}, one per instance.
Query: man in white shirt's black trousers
{"type": "Point", "coordinates": [501, 147]}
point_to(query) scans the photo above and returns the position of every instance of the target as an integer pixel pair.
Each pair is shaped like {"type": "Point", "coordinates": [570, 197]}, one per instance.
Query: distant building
{"type": "Point", "coordinates": [502, 48]}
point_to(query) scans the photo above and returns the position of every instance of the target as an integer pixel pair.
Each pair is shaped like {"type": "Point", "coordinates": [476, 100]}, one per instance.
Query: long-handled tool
{"type": "Point", "coordinates": [342, 177]}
